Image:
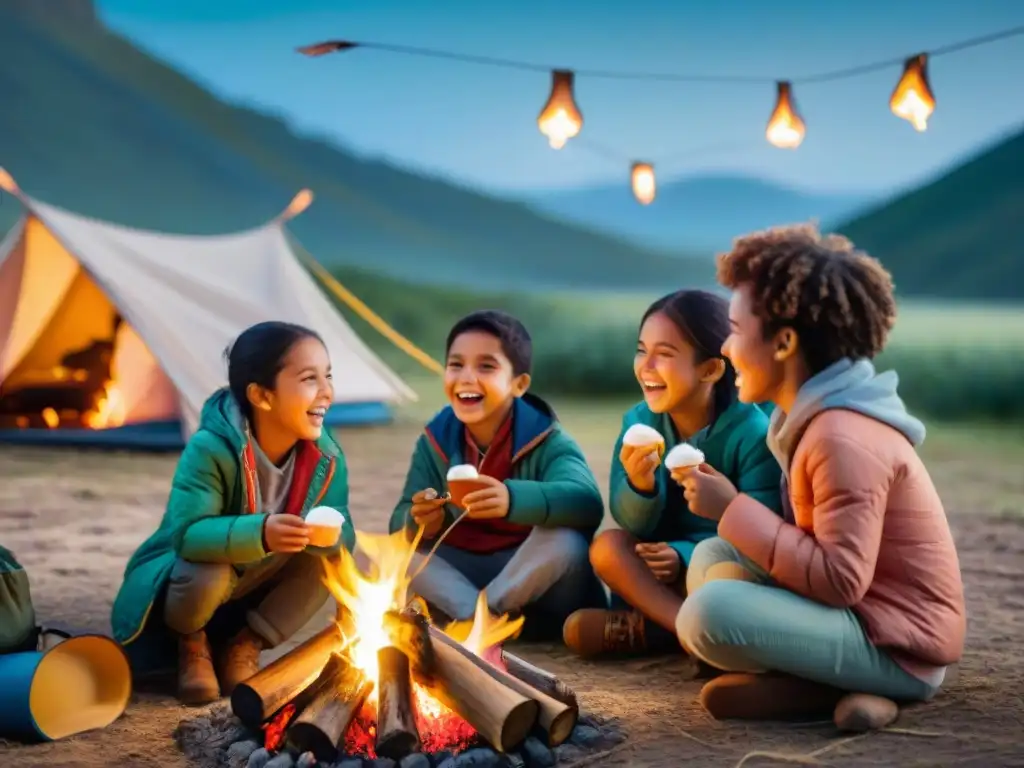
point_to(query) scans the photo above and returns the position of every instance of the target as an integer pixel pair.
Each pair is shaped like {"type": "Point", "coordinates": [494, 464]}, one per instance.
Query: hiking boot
{"type": "Point", "coordinates": [861, 712]}
{"type": "Point", "coordinates": [197, 681]}
{"type": "Point", "coordinates": [596, 631]}
{"type": "Point", "coordinates": [240, 660]}
{"type": "Point", "coordinates": [769, 696]}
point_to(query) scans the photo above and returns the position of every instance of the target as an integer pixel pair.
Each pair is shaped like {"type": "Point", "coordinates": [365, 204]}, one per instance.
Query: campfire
{"type": "Point", "coordinates": [383, 681]}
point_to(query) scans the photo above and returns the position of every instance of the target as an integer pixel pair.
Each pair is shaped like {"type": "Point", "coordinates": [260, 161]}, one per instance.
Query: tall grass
{"type": "Point", "coordinates": [955, 362]}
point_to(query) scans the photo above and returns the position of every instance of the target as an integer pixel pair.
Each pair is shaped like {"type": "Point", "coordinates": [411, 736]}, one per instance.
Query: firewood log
{"type": "Point", "coordinates": [321, 726]}
{"type": "Point", "coordinates": [397, 735]}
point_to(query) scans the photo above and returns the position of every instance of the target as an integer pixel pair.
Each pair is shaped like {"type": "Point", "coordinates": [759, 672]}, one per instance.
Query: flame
{"type": "Point", "coordinates": [366, 598]}
{"type": "Point", "coordinates": [51, 417]}
{"type": "Point", "coordinates": [786, 128]}
{"type": "Point", "coordinates": [109, 410]}
{"type": "Point", "coordinates": [273, 731]}
{"type": "Point", "coordinates": [644, 187]}
{"type": "Point", "coordinates": [912, 99]}
{"type": "Point", "coordinates": [560, 119]}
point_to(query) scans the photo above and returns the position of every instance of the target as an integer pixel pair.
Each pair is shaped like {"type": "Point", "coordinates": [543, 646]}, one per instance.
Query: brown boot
{"type": "Point", "coordinates": [595, 631]}
{"type": "Point", "coordinates": [240, 660]}
{"type": "Point", "coordinates": [197, 681]}
{"type": "Point", "coordinates": [860, 712]}
{"type": "Point", "coordinates": [741, 696]}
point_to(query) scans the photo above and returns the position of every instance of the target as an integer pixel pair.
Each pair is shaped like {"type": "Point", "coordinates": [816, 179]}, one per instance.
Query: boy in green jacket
{"type": "Point", "coordinates": [231, 554]}
{"type": "Point", "coordinates": [524, 537]}
{"type": "Point", "coordinates": [689, 396]}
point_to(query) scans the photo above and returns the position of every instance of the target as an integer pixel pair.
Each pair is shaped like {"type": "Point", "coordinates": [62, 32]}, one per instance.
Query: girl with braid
{"type": "Point", "coordinates": [853, 600]}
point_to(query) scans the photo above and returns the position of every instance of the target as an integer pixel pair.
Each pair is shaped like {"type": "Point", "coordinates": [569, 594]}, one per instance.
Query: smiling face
{"type": "Point", "coordinates": [303, 391]}
{"type": "Point", "coordinates": [759, 374]}
{"type": "Point", "coordinates": [665, 365]}
{"type": "Point", "coordinates": [480, 383]}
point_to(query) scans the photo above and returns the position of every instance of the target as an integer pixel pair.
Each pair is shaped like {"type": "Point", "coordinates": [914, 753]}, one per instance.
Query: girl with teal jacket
{"type": "Point", "coordinates": [231, 559]}
{"type": "Point", "coordinates": [689, 396]}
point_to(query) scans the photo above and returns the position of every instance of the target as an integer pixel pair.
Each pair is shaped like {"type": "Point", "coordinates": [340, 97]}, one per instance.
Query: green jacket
{"type": "Point", "coordinates": [734, 445]}
{"type": "Point", "coordinates": [551, 484]}
{"type": "Point", "coordinates": [211, 515]}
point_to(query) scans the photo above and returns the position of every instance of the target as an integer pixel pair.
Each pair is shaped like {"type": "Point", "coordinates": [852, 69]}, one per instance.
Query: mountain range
{"type": "Point", "coordinates": [697, 213]}
{"type": "Point", "coordinates": [93, 124]}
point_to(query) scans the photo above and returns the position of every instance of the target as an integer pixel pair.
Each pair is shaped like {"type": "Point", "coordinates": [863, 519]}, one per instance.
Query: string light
{"type": "Point", "coordinates": [912, 99]}
{"type": "Point", "coordinates": [786, 128]}
{"type": "Point", "coordinates": [644, 186]}
{"type": "Point", "coordinates": [560, 119]}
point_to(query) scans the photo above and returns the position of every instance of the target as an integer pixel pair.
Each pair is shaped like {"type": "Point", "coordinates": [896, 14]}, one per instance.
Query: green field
{"type": "Point", "coordinates": [957, 362]}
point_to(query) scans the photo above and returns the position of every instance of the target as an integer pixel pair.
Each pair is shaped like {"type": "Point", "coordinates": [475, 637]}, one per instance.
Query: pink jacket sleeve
{"type": "Point", "coordinates": [835, 564]}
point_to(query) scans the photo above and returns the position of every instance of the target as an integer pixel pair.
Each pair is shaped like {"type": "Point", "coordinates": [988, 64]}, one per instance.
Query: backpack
{"type": "Point", "coordinates": [18, 628]}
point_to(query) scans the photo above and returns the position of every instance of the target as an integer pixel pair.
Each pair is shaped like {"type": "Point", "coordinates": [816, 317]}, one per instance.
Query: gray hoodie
{"type": "Point", "coordinates": [852, 385]}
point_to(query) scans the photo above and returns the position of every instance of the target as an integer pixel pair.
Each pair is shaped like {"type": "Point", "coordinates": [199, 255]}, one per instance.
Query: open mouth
{"type": "Point", "coordinates": [470, 398]}
{"type": "Point", "coordinates": [317, 414]}
{"type": "Point", "coordinates": [652, 386]}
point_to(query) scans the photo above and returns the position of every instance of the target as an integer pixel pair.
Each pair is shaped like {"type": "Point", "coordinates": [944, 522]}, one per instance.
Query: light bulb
{"type": "Point", "coordinates": [786, 128]}
{"type": "Point", "coordinates": [560, 119]}
{"type": "Point", "coordinates": [912, 99]}
{"type": "Point", "coordinates": [644, 186]}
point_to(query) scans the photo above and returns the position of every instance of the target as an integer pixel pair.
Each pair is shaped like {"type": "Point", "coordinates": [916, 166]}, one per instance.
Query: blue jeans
{"type": "Point", "coordinates": [735, 619]}
{"type": "Point", "coordinates": [547, 577]}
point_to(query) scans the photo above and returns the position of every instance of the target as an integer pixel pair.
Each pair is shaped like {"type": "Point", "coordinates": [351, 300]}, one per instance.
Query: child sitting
{"type": "Point", "coordinates": [689, 395]}
{"type": "Point", "coordinates": [233, 545]}
{"type": "Point", "coordinates": [858, 587]}
{"type": "Point", "coordinates": [524, 537]}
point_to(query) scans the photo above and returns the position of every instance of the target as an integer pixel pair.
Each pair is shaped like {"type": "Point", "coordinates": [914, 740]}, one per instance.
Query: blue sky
{"type": "Point", "coordinates": [477, 125]}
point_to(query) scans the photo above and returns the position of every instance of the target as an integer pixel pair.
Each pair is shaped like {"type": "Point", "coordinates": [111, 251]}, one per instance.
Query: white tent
{"type": "Point", "coordinates": [64, 278]}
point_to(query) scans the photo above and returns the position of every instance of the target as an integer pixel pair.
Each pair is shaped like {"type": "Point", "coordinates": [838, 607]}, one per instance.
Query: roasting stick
{"type": "Point", "coordinates": [438, 542]}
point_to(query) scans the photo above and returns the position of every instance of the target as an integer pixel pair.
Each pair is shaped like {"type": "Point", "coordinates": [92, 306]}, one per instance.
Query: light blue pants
{"type": "Point", "coordinates": [549, 572]}
{"type": "Point", "coordinates": [741, 622]}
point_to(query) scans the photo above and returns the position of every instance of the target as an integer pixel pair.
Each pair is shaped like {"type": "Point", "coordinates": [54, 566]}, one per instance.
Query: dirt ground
{"type": "Point", "coordinates": [73, 518]}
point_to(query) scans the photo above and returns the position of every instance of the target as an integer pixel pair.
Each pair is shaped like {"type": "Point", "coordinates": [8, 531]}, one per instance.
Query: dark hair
{"type": "Point", "coordinates": [515, 339]}
{"type": "Point", "coordinates": [257, 356]}
{"type": "Point", "coordinates": [837, 299]}
{"type": "Point", "coordinates": [703, 320]}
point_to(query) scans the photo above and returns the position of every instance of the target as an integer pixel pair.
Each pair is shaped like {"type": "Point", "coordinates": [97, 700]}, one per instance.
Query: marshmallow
{"type": "Point", "coordinates": [640, 435]}
{"type": "Point", "coordinates": [684, 455]}
{"type": "Point", "coordinates": [463, 472]}
{"type": "Point", "coordinates": [327, 517]}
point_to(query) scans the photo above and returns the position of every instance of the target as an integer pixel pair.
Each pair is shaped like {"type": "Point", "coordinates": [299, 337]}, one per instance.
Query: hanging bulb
{"type": "Point", "coordinates": [912, 99]}
{"type": "Point", "coordinates": [786, 128]}
{"type": "Point", "coordinates": [644, 186]}
{"type": "Point", "coordinates": [560, 119]}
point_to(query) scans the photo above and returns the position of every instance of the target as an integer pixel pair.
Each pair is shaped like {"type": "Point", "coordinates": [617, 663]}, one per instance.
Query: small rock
{"type": "Point", "coordinates": [306, 760]}
{"type": "Point", "coordinates": [514, 760]}
{"type": "Point", "coordinates": [352, 762]}
{"type": "Point", "coordinates": [567, 753]}
{"type": "Point", "coordinates": [415, 760]}
{"type": "Point", "coordinates": [282, 760]}
{"type": "Point", "coordinates": [481, 757]}
{"type": "Point", "coordinates": [384, 762]}
{"type": "Point", "coordinates": [259, 758]}
{"type": "Point", "coordinates": [448, 762]}
{"type": "Point", "coordinates": [585, 736]}
{"type": "Point", "coordinates": [242, 750]}
{"type": "Point", "coordinates": [537, 754]}
{"type": "Point", "coordinates": [438, 758]}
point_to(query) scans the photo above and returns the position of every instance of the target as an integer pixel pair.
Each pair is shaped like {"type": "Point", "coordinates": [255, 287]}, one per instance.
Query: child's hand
{"type": "Point", "coordinates": [285, 534]}
{"type": "Point", "coordinates": [663, 560]}
{"type": "Point", "coordinates": [427, 511]}
{"type": "Point", "coordinates": [490, 503]}
{"type": "Point", "coordinates": [640, 462]}
{"type": "Point", "coordinates": [707, 491]}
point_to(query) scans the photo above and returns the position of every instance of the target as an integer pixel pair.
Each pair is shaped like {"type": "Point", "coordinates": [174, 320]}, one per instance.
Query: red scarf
{"type": "Point", "coordinates": [486, 536]}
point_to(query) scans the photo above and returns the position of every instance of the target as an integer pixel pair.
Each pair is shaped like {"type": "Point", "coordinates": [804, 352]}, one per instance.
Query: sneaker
{"type": "Point", "coordinates": [240, 660]}
{"type": "Point", "coordinates": [596, 631]}
{"type": "Point", "coordinates": [861, 712]}
{"type": "Point", "coordinates": [197, 681]}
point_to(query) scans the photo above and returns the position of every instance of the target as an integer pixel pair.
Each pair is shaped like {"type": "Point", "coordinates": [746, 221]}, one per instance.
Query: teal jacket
{"type": "Point", "coordinates": [551, 484]}
{"type": "Point", "coordinates": [734, 445]}
{"type": "Point", "coordinates": [211, 515]}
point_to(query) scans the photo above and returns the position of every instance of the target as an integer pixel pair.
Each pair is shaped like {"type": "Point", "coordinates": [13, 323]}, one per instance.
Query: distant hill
{"type": "Point", "coordinates": [90, 123]}
{"type": "Point", "coordinates": [960, 236]}
{"type": "Point", "coordinates": [697, 213]}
